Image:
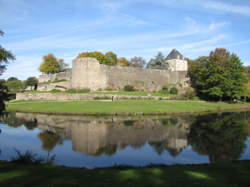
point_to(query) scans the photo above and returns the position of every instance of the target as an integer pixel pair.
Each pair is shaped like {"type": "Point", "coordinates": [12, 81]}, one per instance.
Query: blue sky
{"type": "Point", "coordinates": [34, 28]}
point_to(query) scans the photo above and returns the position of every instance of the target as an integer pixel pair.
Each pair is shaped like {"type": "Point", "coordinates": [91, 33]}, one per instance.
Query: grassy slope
{"type": "Point", "coordinates": [221, 175]}
{"type": "Point", "coordinates": [126, 106]}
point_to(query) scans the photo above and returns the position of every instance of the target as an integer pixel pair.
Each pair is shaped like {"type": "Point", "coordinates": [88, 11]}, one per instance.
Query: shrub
{"type": "Point", "coordinates": [55, 90]}
{"type": "Point", "coordinates": [189, 93]}
{"type": "Point", "coordinates": [84, 90]}
{"type": "Point", "coordinates": [108, 89]}
{"type": "Point", "coordinates": [128, 88]}
{"type": "Point", "coordinates": [29, 157]}
{"type": "Point", "coordinates": [173, 90]}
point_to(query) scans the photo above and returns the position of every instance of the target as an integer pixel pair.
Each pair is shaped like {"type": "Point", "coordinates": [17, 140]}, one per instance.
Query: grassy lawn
{"type": "Point", "coordinates": [215, 175]}
{"type": "Point", "coordinates": [123, 106]}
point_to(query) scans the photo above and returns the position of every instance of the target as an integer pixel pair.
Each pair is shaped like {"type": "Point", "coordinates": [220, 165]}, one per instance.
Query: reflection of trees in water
{"type": "Point", "coordinates": [49, 140]}
{"type": "Point", "coordinates": [13, 121]}
{"type": "Point", "coordinates": [221, 137]}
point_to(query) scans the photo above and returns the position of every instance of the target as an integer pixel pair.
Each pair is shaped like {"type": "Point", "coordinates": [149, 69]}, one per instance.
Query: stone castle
{"type": "Point", "coordinates": [89, 73]}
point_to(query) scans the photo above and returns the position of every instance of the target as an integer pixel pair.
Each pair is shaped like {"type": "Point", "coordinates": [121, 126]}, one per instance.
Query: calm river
{"type": "Point", "coordinates": [91, 142]}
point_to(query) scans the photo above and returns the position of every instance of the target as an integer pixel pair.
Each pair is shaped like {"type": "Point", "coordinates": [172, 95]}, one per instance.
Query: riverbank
{"type": "Point", "coordinates": [223, 174]}
{"type": "Point", "coordinates": [123, 107]}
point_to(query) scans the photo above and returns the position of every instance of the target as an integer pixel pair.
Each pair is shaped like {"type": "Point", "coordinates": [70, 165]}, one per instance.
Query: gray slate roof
{"type": "Point", "coordinates": [174, 54]}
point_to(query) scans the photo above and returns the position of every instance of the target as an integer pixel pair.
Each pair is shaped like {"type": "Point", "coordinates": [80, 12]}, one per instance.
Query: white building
{"type": "Point", "coordinates": [176, 61]}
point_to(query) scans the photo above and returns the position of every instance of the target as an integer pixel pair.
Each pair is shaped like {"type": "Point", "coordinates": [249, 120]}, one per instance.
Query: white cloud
{"type": "Point", "coordinates": [23, 67]}
{"type": "Point", "coordinates": [226, 7]}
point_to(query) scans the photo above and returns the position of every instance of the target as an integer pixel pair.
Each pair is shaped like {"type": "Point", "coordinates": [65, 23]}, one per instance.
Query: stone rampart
{"type": "Point", "coordinates": [66, 75]}
{"type": "Point", "coordinates": [89, 73]}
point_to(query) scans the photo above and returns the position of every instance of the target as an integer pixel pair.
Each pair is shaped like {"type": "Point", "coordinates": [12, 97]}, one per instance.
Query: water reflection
{"type": "Point", "coordinates": [221, 137]}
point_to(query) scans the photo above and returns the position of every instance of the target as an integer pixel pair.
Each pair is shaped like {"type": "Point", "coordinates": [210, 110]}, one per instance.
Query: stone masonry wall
{"type": "Point", "coordinates": [89, 73]}
{"type": "Point", "coordinates": [66, 75]}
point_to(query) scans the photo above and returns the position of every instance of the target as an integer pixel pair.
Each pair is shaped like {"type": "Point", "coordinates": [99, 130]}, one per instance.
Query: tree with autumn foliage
{"type": "Point", "coordinates": [122, 61]}
{"type": "Point", "coordinates": [219, 76]}
{"type": "Point", "coordinates": [50, 64]}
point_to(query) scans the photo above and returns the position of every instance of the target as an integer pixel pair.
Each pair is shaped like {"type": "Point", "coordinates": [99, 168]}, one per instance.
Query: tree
{"type": "Point", "coordinates": [97, 55]}
{"type": "Point", "coordinates": [221, 137]}
{"type": "Point", "coordinates": [5, 57]}
{"type": "Point", "coordinates": [31, 81]}
{"type": "Point", "coordinates": [137, 62]}
{"type": "Point", "coordinates": [49, 140]}
{"type": "Point", "coordinates": [14, 85]}
{"type": "Point", "coordinates": [50, 64]}
{"type": "Point", "coordinates": [158, 62]}
{"type": "Point", "coordinates": [122, 61]}
{"type": "Point", "coordinates": [219, 76]}
{"type": "Point", "coordinates": [112, 58]}
{"type": "Point", "coordinates": [12, 79]}
{"type": "Point", "coordinates": [62, 65]}
{"type": "Point", "coordinates": [109, 58]}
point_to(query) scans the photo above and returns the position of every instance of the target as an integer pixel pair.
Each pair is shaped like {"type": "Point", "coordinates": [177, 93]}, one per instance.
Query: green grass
{"type": "Point", "coordinates": [123, 106]}
{"type": "Point", "coordinates": [215, 175]}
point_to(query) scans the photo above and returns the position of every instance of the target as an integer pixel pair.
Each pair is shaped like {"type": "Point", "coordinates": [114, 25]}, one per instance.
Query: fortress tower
{"type": "Point", "coordinates": [176, 61]}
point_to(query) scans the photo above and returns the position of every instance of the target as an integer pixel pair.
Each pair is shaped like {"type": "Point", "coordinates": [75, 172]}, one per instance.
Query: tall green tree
{"type": "Point", "coordinates": [5, 57]}
{"type": "Point", "coordinates": [158, 62]}
{"type": "Point", "coordinates": [219, 76]}
{"type": "Point", "coordinates": [50, 64]}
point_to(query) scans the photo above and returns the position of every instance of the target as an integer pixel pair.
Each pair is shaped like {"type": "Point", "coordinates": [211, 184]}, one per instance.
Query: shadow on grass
{"type": "Point", "coordinates": [231, 174]}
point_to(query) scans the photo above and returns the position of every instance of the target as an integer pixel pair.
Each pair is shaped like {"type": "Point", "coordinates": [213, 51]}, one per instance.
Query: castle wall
{"type": "Point", "coordinates": [143, 79]}
{"type": "Point", "coordinates": [89, 73]}
{"type": "Point", "coordinates": [66, 75]}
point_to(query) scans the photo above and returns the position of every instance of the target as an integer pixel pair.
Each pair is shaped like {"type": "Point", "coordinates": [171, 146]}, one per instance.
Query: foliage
{"type": "Point", "coordinates": [97, 55]}
{"type": "Point", "coordinates": [31, 81]}
{"type": "Point", "coordinates": [29, 157]}
{"type": "Point", "coordinates": [189, 93]}
{"type": "Point", "coordinates": [122, 61]}
{"type": "Point", "coordinates": [49, 140]}
{"type": "Point", "coordinates": [83, 90]}
{"type": "Point", "coordinates": [50, 64]}
{"type": "Point", "coordinates": [137, 62]}
{"type": "Point", "coordinates": [14, 85]}
{"type": "Point", "coordinates": [112, 58]}
{"type": "Point", "coordinates": [221, 137]}
{"type": "Point", "coordinates": [5, 57]}
{"type": "Point", "coordinates": [128, 88]}
{"type": "Point", "coordinates": [173, 90]}
{"type": "Point", "coordinates": [158, 62]}
{"type": "Point", "coordinates": [62, 65]}
{"type": "Point", "coordinates": [219, 76]}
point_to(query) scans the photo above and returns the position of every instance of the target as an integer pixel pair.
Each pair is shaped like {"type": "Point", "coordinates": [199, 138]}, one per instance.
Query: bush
{"type": "Point", "coordinates": [84, 90]}
{"type": "Point", "coordinates": [189, 93]}
{"type": "Point", "coordinates": [108, 89]}
{"type": "Point", "coordinates": [128, 88]}
{"type": "Point", "coordinates": [55, 90]}
{"type": "Point", "coordinates": [173, 90]}
{"type": "Point", "coordinates": [29, 157]}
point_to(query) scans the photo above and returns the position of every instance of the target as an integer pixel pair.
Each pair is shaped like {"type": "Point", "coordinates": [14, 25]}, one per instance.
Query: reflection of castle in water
{"type": "Point", "coordinates": [96, 136]}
